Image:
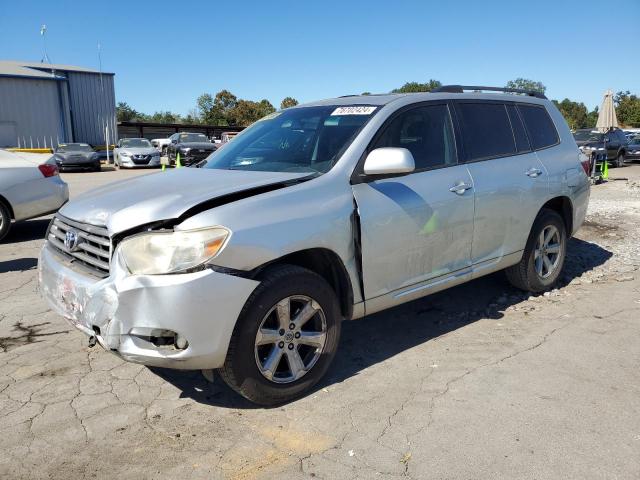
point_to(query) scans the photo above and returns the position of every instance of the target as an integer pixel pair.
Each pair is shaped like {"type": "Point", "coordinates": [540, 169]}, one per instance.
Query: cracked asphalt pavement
{"type": "Point", "coordinates": [480, 381]}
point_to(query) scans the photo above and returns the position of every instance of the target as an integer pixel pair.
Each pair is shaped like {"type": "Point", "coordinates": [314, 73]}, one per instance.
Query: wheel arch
{"type": "Point", "coordinates": [6, 203]}
{"type": "Point", "coordinates": [564, 207]}
{"type": "Point", "coordinates": [328, 265]}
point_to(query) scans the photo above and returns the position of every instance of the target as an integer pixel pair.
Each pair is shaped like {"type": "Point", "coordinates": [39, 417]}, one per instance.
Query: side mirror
{"type": "Point", "coordinates": [389, 160]}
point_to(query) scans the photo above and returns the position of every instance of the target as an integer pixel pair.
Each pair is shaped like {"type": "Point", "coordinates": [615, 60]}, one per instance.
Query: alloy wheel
{"type": "Point", "coordinates": [547, 251]}
{"type": "Point", "coordinates": [290, 339]}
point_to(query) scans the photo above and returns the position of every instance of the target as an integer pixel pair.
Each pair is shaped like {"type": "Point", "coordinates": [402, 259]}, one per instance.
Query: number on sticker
{"type": "Point", "coordinates": [354, 110]}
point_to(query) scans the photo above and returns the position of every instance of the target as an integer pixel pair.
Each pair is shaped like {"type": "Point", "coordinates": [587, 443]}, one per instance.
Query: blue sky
{"type": "Point", "coordinates": [165, 54]}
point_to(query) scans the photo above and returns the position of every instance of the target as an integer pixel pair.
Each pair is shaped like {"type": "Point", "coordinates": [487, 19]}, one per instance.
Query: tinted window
{"type": "Point", "coordinates": [542, 132]}
{"type": "Point", "coordinates": [486, 130]}
{"type": "Point", "coordinates": [522, 142]}
{"type": "Point", "coordinates": [426, 132]}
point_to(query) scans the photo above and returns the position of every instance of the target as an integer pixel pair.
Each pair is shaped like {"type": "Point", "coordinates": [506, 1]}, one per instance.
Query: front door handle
{"type": "Point", "coordinates": [534, 172]}
{"type": "Point", "coordinates": [459, 188]}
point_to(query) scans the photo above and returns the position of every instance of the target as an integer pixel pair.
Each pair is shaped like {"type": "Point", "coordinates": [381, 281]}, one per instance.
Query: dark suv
{"type": "Point", "coordinates": [193, 148]}
{"type": "Point", "coordinates": [591, 141]}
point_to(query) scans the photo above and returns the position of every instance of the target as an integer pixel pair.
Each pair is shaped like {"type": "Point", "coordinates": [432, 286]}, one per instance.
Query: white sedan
{"type": "Point", "coordinates": [29, 188]}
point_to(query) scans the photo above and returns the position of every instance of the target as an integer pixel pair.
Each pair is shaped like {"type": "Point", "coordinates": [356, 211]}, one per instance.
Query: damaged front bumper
{"type": "Point", "coordinates": [137, 316]}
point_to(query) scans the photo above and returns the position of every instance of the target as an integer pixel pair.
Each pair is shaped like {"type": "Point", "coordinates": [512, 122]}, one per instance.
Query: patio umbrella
{"type": "Point", "coordinates": [607, 116]}
{"type": "Point", "coordinates": [606, 121]}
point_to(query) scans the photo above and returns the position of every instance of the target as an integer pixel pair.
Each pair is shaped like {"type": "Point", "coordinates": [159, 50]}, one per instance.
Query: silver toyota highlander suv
{"type": "Point", "coordinates": [327, 211]}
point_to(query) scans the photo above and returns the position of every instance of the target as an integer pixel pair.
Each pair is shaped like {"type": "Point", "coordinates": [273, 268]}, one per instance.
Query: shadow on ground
{"type": "Point", "coordinates": [383, 335]}
{"type": "Point", "coordinates": [18, 265]}
{"type": "Point", "coordinates": [28, 231]}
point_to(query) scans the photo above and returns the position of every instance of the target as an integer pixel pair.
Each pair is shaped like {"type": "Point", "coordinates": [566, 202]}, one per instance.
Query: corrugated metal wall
{"type": "Point", "coordinates": [29, 108]}
{"type": "Point", "coordinates": [93, 106]}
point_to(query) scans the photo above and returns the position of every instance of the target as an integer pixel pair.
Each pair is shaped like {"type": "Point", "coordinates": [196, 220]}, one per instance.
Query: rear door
{"type": "Point", "coordinates": [508, 177]}
{"type": "Point", "coordinates": [415, 227]}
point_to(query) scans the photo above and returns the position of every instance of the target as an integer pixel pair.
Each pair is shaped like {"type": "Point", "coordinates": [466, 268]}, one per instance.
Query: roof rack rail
{"type": "Point", "coordinates": [462, 88]}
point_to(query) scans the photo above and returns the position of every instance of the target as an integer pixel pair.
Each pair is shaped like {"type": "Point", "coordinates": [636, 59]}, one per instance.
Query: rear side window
{"type": "Point", "coordinates": [427, 132]}
{"type": "Point", "coordinates": [486, 130]}
{"type": "Point", "coordinates": [522, 142]}
{"type": "Point", "coordinates": [542, 132]}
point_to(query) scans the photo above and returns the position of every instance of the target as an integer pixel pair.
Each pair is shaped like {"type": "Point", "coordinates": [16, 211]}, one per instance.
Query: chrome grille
{"type": "Point", "coordinates": [92, 248]}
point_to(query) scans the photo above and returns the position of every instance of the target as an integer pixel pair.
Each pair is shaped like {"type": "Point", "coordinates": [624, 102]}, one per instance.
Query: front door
{"type": "Point", "coordinates": [418, 226]}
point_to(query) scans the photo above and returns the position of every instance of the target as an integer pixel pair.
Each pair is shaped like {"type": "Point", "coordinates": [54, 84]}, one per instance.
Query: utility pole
{"type": "Point", "coordinates": [45, 57]}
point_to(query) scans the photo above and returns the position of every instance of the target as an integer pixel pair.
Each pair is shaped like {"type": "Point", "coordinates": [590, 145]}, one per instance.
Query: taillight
{"type": "Point", "coordinates": [586, 164]}
{"type": "Point", "coordinates": [48, 170]}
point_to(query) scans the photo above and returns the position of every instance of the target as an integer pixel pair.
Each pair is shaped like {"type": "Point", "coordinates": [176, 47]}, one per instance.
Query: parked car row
{"type": "Point", "coordinates": [592, 143]}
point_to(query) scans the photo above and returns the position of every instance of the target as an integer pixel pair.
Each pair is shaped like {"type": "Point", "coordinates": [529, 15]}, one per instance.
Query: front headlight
{"type": "Point", "coordinates": [172, 252]}
{"type": "Point", "coordinates": [124, 154]}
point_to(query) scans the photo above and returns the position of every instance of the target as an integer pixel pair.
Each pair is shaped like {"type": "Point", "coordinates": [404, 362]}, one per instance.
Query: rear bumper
{"type": "Point", "coordinates": [125, 311]}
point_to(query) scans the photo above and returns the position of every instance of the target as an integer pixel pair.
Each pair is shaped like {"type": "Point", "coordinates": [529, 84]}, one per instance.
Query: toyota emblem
{"type": "Point", "coordinates": [71, 240]}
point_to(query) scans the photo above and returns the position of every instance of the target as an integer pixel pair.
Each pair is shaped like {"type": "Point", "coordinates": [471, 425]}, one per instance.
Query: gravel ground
{"type": "Point", "coordinates": [480, 381]}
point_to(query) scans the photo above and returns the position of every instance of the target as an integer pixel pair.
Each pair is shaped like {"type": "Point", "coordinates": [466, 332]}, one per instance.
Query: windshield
{"type": "Point", "coordinates": [73, 147]}
{"type": "Point", "coordinates": [135, 143]}
{"type": "Point", "coordinates": [635, 141]}
{"type": "Point", "coordinates": [193, 138]}
{"type": "Point", "coordinates": [588, 135]}
{"type": "Point", "coordinates": [308, 139]}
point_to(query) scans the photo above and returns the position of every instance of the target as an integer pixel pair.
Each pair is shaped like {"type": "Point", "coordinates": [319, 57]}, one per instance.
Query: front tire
{"type": "Point", "coordinates": [544, 255]}
{"type": "Point", "coordinates": [620, 161]}
{"type": "Point", "coordinates": [5, 221]}
{"type": "Point", "coordinates": [285, 338]}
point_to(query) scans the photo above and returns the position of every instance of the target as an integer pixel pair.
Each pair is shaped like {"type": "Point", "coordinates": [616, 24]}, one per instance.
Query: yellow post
{"type": "Point", "coordinates": [163, 167]}
{"type": "Point", "coordinates": [178, 164]}
{"type": "Point", "coordinates": [605, 169]}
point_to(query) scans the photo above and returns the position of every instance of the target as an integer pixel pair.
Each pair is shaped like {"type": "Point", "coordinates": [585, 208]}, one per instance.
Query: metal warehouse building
{"type": "Point", "coordinates": [41, 104]}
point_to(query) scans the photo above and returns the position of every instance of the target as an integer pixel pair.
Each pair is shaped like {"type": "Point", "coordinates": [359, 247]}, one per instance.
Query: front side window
{"type": "Point", "coordinates": [486, 130]}
{"type": "Point", "coordinates": [306, 139]}
{"type": "Point", "coordinates": [542, 131]}
{"type": "Point", "coordinates": [427, 132]}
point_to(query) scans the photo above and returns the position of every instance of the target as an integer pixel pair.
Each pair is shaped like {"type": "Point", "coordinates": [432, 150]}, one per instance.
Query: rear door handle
{"type": "Point", "coordinates": [460, 187]}
{"type": "Point", "coordinates": [534, 172]}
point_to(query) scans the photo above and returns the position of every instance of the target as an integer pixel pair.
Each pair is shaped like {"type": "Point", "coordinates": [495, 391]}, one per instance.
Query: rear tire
{"type": "Point", "coordinates": [5, 221]}
{"type": "Point", "coordinates": [541, 264]}
{"type": "Point", "coordinates": [270, 360]}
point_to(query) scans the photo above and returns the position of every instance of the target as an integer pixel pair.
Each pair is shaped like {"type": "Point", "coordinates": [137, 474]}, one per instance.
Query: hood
{"type": "Point", "coordinates": [202, 145]}
{"type": "Point", "coordinates": [138, 150]}
{"type": "Point", "coordinates": [163, 196]}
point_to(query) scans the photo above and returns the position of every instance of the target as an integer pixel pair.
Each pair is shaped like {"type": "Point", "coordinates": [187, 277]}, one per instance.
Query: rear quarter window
{"type": "Point", "coordinates": [486, 130]}
{"type": "Point", "coordinates": [542, 132]}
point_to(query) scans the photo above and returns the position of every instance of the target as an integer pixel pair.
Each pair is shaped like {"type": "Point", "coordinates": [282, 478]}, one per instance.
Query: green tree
{"type": "Point", "coordinates": [210, 112]}
{"type": "Point", "coordinates": [126, 113]}
{"type": "Point", "coordinates": [526, 84]}
{"type": "Point", "coordinates": [413, 87]}
{"type": "Point", "coordinates": [592, 118]}
{"type": "Point", "coordinates": [574, 113]}
{"type": "Point", "coordinates": [165, 117]}
{"type": "Point", "coordinates": [288, 102]}
{"type": "Point", "coordinates": [246, 112]}
{"type": "Point", "coordinates": [365, 93]}
{"type": "Point", "coordinates": [627, 108]}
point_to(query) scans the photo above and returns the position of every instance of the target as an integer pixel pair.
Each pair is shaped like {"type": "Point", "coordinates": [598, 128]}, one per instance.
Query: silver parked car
{"type": "Point", "coordinates": [29, 188]}
{"type": "Point", "coordinates": [136, 152]}
{"type": "Point", "coordinates": [319, 213]}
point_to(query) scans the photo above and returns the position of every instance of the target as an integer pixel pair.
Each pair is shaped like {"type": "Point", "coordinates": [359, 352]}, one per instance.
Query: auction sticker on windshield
{"type": "Point", "coordinates": [354, 110]}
